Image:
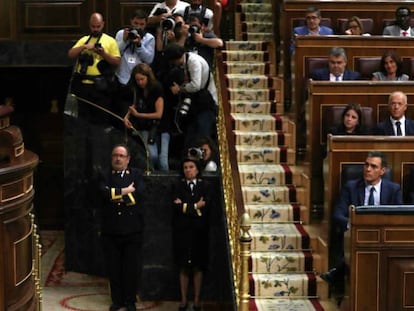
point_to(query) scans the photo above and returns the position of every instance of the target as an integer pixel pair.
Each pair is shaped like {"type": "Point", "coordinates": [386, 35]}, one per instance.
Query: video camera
{"type": "Point", "coordinates": [134, 32]}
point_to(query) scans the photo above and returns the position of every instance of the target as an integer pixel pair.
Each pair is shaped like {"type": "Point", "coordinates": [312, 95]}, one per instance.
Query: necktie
{"type": "Point", "coordinates": [398, 125]}
{"type": "Point", "coordinates": [191, 185]}
{"type": "Point", "coordinates": [405, 33]}
{"type": "Point", "coordinates": [371, 196]}
{"type": "Point", "coordinates": [336, 78]}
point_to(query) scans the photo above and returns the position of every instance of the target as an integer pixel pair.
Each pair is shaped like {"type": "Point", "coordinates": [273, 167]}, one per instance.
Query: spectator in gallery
{"type": "Point", "coordinates": [354, 27]}
{"type": "Point", "coordinates": [402, 27]}
{"type": "Point", "coordinates": [396, 124]}
{"type": "Point", "coordinates": [391, 67]}
{"type": "Point", "coordinates": [336, 70]}
{"type": "Point", "coordinates": [351, 122]}
{"type": "Point", "coordinates": [312, 27]}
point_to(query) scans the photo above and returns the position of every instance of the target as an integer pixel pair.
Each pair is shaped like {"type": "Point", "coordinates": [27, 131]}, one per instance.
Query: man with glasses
{"type": "Point", "coordinates": [122, 228]}
{"type": "Point", "coordinates": [312, 26]}
{"type": "Point", "coordinates": [402, 27]}
{"type": "Point", "coordinates": [336, 70]}
{"type": "Point", "coordinates": [397, 124]}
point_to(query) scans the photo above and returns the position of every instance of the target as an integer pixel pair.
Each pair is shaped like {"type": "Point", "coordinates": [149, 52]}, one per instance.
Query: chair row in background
{"type": "Point", "coordinates": [340, 25]}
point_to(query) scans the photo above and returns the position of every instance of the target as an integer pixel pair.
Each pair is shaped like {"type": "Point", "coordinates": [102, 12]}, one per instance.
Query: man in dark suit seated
{"type": "Point", "coordinates": [370, 189]}
{"type": "Point", "coordinates": [396, 124]}
{"type": "Point", "coordinates": [336, 70]}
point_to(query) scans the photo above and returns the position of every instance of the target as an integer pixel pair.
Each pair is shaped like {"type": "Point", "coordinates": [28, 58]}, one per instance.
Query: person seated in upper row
{"type": "Point", "coordinates": [402, 26]}
{"type": "Point", "coordinates": [336, 70]}
{"type": "Point", "coordinates": [312, 27]}
{"type": "Point", "coordinates": [390, 68]}
{"type": "Point", "coordinates": [397, 124]}
{"type": "Point", "coordinates": [351, 122]}
{"type": "Point", "coordinates": [354, 27]}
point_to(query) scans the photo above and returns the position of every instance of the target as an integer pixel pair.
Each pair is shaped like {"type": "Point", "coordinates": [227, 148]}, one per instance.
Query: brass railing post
{"type": "Point", "coordinates": [245, 243]}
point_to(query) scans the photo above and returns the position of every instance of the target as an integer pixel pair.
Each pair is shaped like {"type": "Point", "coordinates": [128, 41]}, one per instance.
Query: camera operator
{"type": "Point", "coordinates": [98, 55]}
{"type": "Point", "coordinates": [163, 10]}
{"type": "Point", "coordinates": [206, 153]}
{"type": "Point", "coordinates": [136, 46]}
{"type": "Point", "coordinates": [200, 111]}
{"type": "Point", "coordinates": [201, 40]}
{"type": "Point", "coordinates": [205, 15]}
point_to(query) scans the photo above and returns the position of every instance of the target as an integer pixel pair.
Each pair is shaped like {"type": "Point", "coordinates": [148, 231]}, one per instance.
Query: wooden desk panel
{"type": "Point", "coordinates": [325, 94]}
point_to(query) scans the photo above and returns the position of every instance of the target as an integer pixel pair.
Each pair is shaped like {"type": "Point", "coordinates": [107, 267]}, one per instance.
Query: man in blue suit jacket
{"type": "Point", "coordinates": [336, 70]}
{"type": "Point", "coordinates": [397, 105]}
{"type": "Point", "coordinates": [312, 27]}
{"type": "Point", "coordinates": [372, 189]}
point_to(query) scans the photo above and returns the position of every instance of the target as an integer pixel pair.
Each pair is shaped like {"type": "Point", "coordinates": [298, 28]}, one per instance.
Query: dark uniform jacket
{"type": "Point", "coordinates": [122, 214]}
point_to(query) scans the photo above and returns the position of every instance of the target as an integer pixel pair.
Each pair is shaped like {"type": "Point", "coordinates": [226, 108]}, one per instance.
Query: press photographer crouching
{"type": "Point", "coordinates": [206, 153]}
{"type": "Point", "coordinates": [200, 117]}
{"type": "Point", "coordinates": [147, 109]}
{"type": "Point", "coordinates": [97, 57]}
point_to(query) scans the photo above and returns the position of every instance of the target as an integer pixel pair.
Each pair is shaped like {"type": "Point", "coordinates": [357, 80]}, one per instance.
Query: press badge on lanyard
{"type": "Point", "coordinates": [131, 60]}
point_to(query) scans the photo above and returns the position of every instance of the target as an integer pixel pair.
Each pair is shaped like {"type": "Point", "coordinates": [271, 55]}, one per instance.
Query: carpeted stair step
{"type": "Point", "coordinates": [281, 262]}
{"type": "Point", "coordinates": [273, 213]}
{"type": "Point", "coordinates": [273, 194]}
{"type": "Point", "coordinates": [238, 45]}
{"type": "Point", "coordinates": [259, 36]}
{"type": "Point", "coordinates": [250, 7]}
{"type": "Point", "coordinates": [257, 94]}
{"type": "Point", "coordinates": [258, 107]}
{"type": "Point", "coordinates": [247, 68]}
{"type": "Point", "coordinates": [245, 56]}
{"type": "Point", "coordinates": [269, 155]}
{"type": "Point", "coordinates": [257, 26]}
{"type": "Point", "coordinates": [237, 81]}
{"type": "Point", "coordinates": [265, 174]}
{"type": "Point", "coordinates": [256, 17]}
{"type": "Point", "coordinates": [275, 138]}
{"type": "Point", "coordinates": [252, 123]}
{"type": "Point", "coordinates": [283, 285]}
{"type": "Point", "coordinates": [283, 304]}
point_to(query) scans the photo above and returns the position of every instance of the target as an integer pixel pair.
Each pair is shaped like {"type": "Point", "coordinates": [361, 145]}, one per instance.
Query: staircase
{"type": "Point", "coordinates": [276, 193]}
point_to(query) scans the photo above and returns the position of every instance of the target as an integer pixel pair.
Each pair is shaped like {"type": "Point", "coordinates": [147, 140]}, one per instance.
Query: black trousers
{"type": "Point", "coordinates": [122, 254]}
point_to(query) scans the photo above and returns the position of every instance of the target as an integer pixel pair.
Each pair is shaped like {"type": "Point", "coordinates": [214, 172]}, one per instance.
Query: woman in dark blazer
{"type": "Point", "coordinates": [191, 230]}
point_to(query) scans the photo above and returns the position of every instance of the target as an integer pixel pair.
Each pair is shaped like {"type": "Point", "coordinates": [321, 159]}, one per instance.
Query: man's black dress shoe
{"type": "Point", "coordinates": [330, 276]}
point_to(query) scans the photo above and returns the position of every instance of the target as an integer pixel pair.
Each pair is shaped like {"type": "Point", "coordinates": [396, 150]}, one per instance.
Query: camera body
{"type": "Point", "coordinates": [184, 106]}
{"type": "Point", "coordinates": [168, 23]}
{"type": "Point", "coordinates": [85, 60]}
{"type": "Point", "coordinates": [195, 153]}
{"type": "Point", "coordinates": [194, 29]}
{"type": "Point", "coordinates": [98, 45]}
{"type": "Point", "coordinates": [134, 32]}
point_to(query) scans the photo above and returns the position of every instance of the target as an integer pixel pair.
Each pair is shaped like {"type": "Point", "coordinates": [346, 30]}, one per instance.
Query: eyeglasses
{"type": "Point", "coordinates": [312, 17]}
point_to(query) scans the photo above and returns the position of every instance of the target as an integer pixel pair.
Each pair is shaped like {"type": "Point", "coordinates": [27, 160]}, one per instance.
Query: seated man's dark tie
{"type": "Point", "coordinates": [398, 125]}
{"type": "Point", "coordinates": [191, 185]}
{"type": "Point", "coordinates": [371, 196]}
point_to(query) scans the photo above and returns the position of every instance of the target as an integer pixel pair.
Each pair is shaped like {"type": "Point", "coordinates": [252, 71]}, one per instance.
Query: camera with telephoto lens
{"type": "Point", "coordinates": [196, 153]}
{"type": "Point", "coordinates": [184, 106]}
{"type": "Point", "coordinates": [135, 32]}
{"type": "Point", "coordinates": [168, 23]}
{"type": "Point", "coordinates": [194, 29]}
{"type": "Point", "coordinates": [85, 60]}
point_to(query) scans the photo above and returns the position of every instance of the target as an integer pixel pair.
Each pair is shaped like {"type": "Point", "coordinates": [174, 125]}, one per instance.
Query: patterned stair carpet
{"type": "Point", "coordinates": [274, 192]}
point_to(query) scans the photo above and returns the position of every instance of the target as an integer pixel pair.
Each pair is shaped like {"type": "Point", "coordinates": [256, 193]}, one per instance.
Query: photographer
{"type": "Point", "coordinates": [98, 55]}
{"type": "Point", "coordinates": [136, 46]}
{"type": "Point", "coordinates": [201, 40]}
{"type": "Point", "coordinates": [163, 10]}
{"type": "Point", "coordinates": [198, 93]}
{"type": "Point", "coordinates": [148, 108]}
{"type": "Point", "coordinates": [206, 153]}
{"type": "Point", "coordinates": [205, 14]}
